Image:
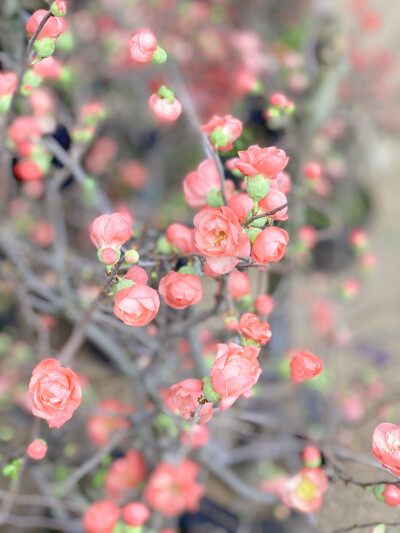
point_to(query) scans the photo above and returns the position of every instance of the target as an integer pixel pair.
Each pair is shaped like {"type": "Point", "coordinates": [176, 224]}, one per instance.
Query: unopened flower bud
{"type": "Point", "coordinates": [44, 47]}
{"type": "Point", "coordinates": [257, 187]}
{"type": "Point", "coordinates": [37, 449]}
{"type": "Point", "coordinates": [108, 256]}
{"type": "Point", "coordinates": [131, 257]}
{"type": "Point", "coordinates": [58, 8]}
{"type": "Point", "coordinates": [252, 234]}
{"type": "Point", "coordinates": [209, 393]}
{"type": "Point", "coordinates": [163, 246]}
{"type": "Point", "coordinates": [311, 457]}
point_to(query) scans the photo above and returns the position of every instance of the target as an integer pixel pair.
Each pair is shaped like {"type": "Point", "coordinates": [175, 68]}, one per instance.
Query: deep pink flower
{"type": "Point", "coordinates": [174, 489]}
{"type": "Point", "coordinates": [220, 237]}
{"type": "Point", "coordinates": [304, 492]}
{"type": "Point", "coordinates": [234, 372]}
{"type": "Point", "coordinates": [101, 517]}
{"type": "Point", "coordinates": [181, 290]}
{"type": "Point", "coordinates": [142, 46]}
{"type": "Point", "coordinates": [273, 200]}
{"type": "Point", "coordinates": [270, 245]}
{"type": "Point", "coordinates": [252, 328]}
{"type": "Point", "coordinates": [266, 161]}
{"type": "Point", "coordinates": [386, 446]}
{"type": "Point", "coordinates": [200, 182]}
{"type": "Point", "coordinates": [55, 392]}
{"type": "Point", "coordinates": [110, 231]}
{"type": "Point", "coordinates": [304, 365]}
{"type": "Point", "coordinates": [137, 305]}
{"type": "Point", "coordinates": [53, 28]}
{"type": "Point", "coordinates": [125, 474]}
{"type": "Point", "coordinates": [223, 131]}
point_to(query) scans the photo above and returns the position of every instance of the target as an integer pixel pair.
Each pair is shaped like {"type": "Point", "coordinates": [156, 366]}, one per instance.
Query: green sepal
{"type": "Point", "coordinates": [214, 198]}
{"type": "Point", "coordinates": [44, 47]}
{"type": "Point", "coordinates": [160, 55]}
{"type": "Point", "coordinates": [168, 94]}
{"type": "Point", "coordinates": [122, 284]}
{"type": "Point", "coordinates": [252, 234]}
{"type": "Point", "coordinates": [219, 138]}
{"type": "Point", "coordinates": [209, 393]}
{"type": "Point", "coordinates": [378, 491]}
{"type": "Point", "coordinates": [163, 246]}
{"type": "Point", "coordinates": [248, 342]}
{"type": "Point", "coordinates": [257, 187]}
{"type": "Point", "coordinates": [187, 269]}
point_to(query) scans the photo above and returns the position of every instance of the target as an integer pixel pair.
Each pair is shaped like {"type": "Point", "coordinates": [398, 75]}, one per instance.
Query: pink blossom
{"type": "Point", "coordinates": [266, 161]}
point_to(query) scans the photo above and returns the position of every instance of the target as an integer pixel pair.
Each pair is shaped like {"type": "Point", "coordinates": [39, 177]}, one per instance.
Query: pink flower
{"type": "Point", "coordinates": [165, 110]}
{"type": "Point", "coordinates": [266, 161]}
{"type": "Point", "coordinates": [264, 304]}
{"type": "Point", "coordinates": [48, 68]}
{"type": "Point", "coordinates": [185, 395]}
{"type": "Point", "coordinates": [142, 46]}
{"type": "Point", "coordinates": [110, 231]}
{"type": "Point", "coordinates": [55, 392]}
{"type": "Point", "coordinates": [112, 416]}
{"type": "Point", "coordinates": [252, 328]}
{"type": "Point", "coordinates": [273, 200]}
{"type": "Point", "coordinates": [101, 517]}
{"type": "Point", "coordinates": [181, 237]}
{"type": "Point", "coordinates": [234, 372]}
{"type": "Point", "coordinates": [8, 82]}
{"type": "Point", "coordinates": [391, 495]}
{"type": "Point", "coordinates": [198, 436]}
{"type": "Point", "coordinates": [220, 237]}
{"type": "Point", "coordinates": [135, 514]}
{"type": "Point", "coordinates": [200, 182]}
{"type": "Point", "coordinates": [308, 236]}
{"type": "Point", "coordinates": [137, 305]}
{"type": "Point", "coordinates": [270, 245]}
{"type": "Point", "coordinates": [312, 170]}
{"type": "Point", "coordinates": [223, 131]}
{"type": "Point", "coordinates": [134, 173]}
{"type": "Point", "coordinates": [241, 205]}
{"type": "Point", "coordinates": [304, 365]}
{"type": "Point", "coordinates": [304, 491]}
{"type": "Point", "coordinates": [24, 128]}
{"type": "Point", "coordinates": [386, 446]}
{"type": "Point", "coordinates": [239, 284]}
{"type": "Point", "coordinates": [125, 474]}
{"type": "Point", "coordinates": [37, 449]}
{"type": "Point", "coordinates": [28, 171]}
{"type": "Point", "coordinates": [283, 182]}
{"type": "Point", "coordinates": [174, 489]}
{"type": "Point", "coordinates": [181, 290]}
{"type": "Point", "coordinates": [137, 274]}
{"type": "Point", "coordinates": [53, 28]}
{"type": "Point", "coordinates": [311, 456]}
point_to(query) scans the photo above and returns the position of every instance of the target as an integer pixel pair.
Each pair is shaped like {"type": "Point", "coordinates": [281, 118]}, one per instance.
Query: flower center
{"type": "Point", "coordinates": [306, 489]}
{"type": "Point", "coordinates": [220, 237]}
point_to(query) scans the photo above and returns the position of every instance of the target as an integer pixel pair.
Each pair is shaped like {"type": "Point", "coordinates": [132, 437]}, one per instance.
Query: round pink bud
{"type": "Point", "coordinates": [272, 201]}
{"type": "Point", "coordinates": [142, 46]}
{"type": "Point", "coordinates": [37, 449]}
{"type": "Point", "coordinates": [181, 290]}
{"type": "Point", "coordinates": [391, 495]}
{"type": "Point", "coordinates": [108, 256]}
{"type": "Point", "coordinates": [312, 170]}
{"type": "Point", "coordinates": [135, 514]}
{"type": "Point", "coordinates": [239, 284]}
{"type": "Point", "coordinates": [165, 110]}
{"type": "Point", "coordinates": [278, 100]}
{"type": "Point", "coordinates": [311, 456]}
{"type": "Point", "coordinates": [101, 517]}
{"type": "Point", "coordinates": [304, 365]}
{"type": "Point", "coordinates": [270, 245]}
{"type": "Point", "coordinates": [131, 257]}
{"type": "Point", "coordinates": [264, 304]}
{"type": "Point", "coordinates": [59, 8]}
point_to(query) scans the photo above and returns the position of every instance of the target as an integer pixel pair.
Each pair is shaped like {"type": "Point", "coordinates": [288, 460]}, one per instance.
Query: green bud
{"type": "Point", "coordinates": [252, 234]}
{"type": "Point", "coordinates": [66, 77]}
{"type": "Point", "coordinates": [82, 135]}
{"type": "Point", "coordinates": [209, 393]}
{"type": "Point", "coordinates": [258, 222]}
{"type": "Point", "coordinates": [257, 187]}
{"type": "Point", "coordinates": [131, 256]}
{"type": "Point", "coordinates": [163, 246]}
{"type": "Point", "coordinates": [214, 198]}
{"type": "Point", "coordinates": [187, 269]}
{"type": "Point", "coordinates": [219, 138]}
{"type": "Point", "coordinates": [122, 527]}
{"type": "Point", "coordinates": [30, 81]}
{"type": "Point", "coordinates": [122, 284]}
{"type": "Point", "coordinates": [160, 55]}
{"type": "Point", "coordinates": [99, 478]}
{"type": "Point", "coordinates": [56, 11]}
{"type": "Point", "coordinates": [168, 94]}
{"type": "Point", "coordinates": [5, 102]}
{"type": "Point", "coordinates": [380, 528]}
{"type": "Point", "coordinates": [11, 470]}
{"type": "Point", "coordinates": [66, 42]}
{"type": "Point", "coordinates": [44, 47]}
{"type": "Point", "coordinates": [274, 112]}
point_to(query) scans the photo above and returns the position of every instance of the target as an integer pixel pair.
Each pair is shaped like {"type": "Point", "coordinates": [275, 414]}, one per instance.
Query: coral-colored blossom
{"type": "Point", "coordinates": [266, 161]}
{"type": "Point", "coordinates": [252, 328]}
{"type": "Point", "coordinates": [270, 245]}
{"type": "Point", "coordinates": [386, 446]}
{"type": "Point", "coordinates": [55, 391]}
{"type": "Point", "coordinates": [181, 290]}
{"type": "Point", "coordinates": [223, 131]}
{"type": "Point", "coordinates": [101, 517]}
{"type": "Point", "coordinates": [142, 46]}
{"type": "Point", "coordinates": [125, 474]}
{"type": "Point", "coordinates": [200, 182]}
{"type": "Point", "coordinates": [304, 365]}
{"type": "Point", "coordinates": [304, 492]}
